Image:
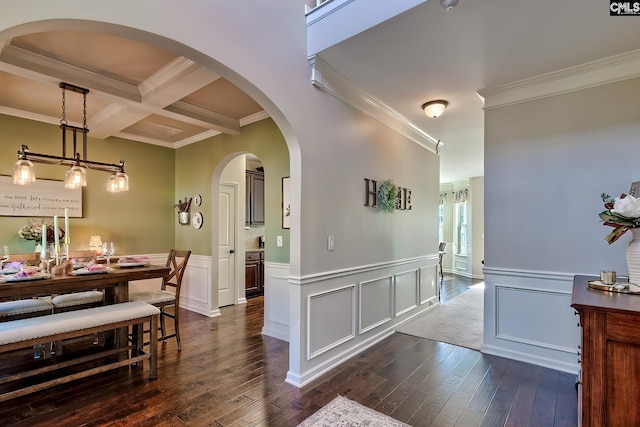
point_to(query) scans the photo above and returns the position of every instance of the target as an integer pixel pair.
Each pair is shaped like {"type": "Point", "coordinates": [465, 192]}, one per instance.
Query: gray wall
{"type": "Point", "coordinates": [547, 161]}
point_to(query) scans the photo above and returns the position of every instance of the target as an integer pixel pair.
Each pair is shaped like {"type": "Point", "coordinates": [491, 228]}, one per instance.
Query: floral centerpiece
{"type": "Point", "coordinates": [33, 231]}
{"type": "Point", "coordinates": [622, 213]}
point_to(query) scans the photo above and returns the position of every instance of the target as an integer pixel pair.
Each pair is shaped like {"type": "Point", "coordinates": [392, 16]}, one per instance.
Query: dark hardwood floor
{"type": "Point", "coordinates": [228, 374]}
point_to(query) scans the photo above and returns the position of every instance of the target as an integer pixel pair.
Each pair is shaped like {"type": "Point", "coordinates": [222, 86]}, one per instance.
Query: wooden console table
{"type": "Point", "coordinates": [609, 379]}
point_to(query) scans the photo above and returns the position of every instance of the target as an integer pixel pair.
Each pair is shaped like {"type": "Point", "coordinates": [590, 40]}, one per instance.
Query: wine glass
{"type": "Point", "coordinates": [5, 256]}
{"type": "Point", "coordinates": [108, 251]}
{"type": "Point", "coordinates": [51, 256]}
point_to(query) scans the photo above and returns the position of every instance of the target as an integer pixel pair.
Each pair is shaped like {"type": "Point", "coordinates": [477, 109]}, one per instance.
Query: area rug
{"type": "Point", "coordinates": [459, 321]}
{"type": "Point", "coordinates": [347, 413]}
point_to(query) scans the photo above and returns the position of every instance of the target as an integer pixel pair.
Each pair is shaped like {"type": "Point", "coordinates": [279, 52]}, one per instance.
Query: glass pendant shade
{"type": "Point", "coordinates": [122, 181]}
{"type": "Point", "coordinates": [23, 172]}
{"type": "Point", "coordinates": [112, 183]}
{"type": "Point", "coordinates": [75, 177]}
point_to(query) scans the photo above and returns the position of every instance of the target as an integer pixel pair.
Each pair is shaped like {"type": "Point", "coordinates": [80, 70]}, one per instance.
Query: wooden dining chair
{"type": "Point", "coordinates": [78, 300]}
{"type": "Point", "coordinates": [163, 298]}
{"type": "Point", "coordinates": [31, 258]}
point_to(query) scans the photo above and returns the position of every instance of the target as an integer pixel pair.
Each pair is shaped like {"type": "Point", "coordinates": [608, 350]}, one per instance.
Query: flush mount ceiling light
{"type": "Point", "coordinates": [449, 4]}
{"type": "Point", "coordinates": [435, 108]}
{"type": "Point", "coordinates": [76, 174]}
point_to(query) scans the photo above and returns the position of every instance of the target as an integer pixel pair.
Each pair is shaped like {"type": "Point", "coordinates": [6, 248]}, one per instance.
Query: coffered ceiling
{"type": "Point", "coordinates": [136, 91]}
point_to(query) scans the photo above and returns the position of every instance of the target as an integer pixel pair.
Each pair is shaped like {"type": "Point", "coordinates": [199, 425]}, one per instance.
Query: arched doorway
{"type": "Point", "coordinates": [181, 239]}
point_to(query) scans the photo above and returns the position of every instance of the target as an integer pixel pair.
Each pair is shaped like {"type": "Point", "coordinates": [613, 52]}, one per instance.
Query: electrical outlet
{"type": "Point", "coordinates": [279, 241]}
{"type": "Point", "coordinates": [330, 243]}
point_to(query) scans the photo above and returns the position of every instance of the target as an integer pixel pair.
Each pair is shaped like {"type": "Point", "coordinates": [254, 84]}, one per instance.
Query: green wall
{"type": "Point", "coordinates": [196, 163]}
{"type": "Point", "coordinates": [139, 221]}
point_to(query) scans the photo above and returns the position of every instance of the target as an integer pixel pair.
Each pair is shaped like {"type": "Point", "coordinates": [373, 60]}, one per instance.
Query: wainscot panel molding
{"type": "Point", "coordinates": [197, 287]}
{"type": "Point", "coordinates": [346, 311]}
{"type": "Point", "coordinates": [428, 285]}
{"type": "Point", "coordinates": [528, 317]}
{"type": "Point", "coordinates": [377, 296]}
{"type": "Point", "coordinates": [407, 291]}
{"type": "Point", "coordinates": [276, 300]}
{"type": "Point", "coordinates": [327, 332]}
{"type": "Point", "coordinates": [334, 274]}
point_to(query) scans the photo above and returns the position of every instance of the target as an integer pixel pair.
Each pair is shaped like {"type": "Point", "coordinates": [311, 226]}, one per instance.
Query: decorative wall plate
{"type": "Point", "coordinates": [197, 200]}
{"type": "Point", "coordinates": [196, 220]}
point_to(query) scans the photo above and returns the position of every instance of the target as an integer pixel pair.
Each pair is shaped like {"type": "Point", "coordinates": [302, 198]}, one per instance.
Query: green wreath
{"type": "Point", "coordinates": [387, 196]}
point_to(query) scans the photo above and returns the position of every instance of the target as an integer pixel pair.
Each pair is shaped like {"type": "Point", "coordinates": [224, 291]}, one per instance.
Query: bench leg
{"type": "Point", "coordinates": [153, 356]}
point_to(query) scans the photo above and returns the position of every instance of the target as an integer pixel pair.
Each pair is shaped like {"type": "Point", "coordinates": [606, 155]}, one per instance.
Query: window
{"type": "Point", "coordinates": [461, 219]}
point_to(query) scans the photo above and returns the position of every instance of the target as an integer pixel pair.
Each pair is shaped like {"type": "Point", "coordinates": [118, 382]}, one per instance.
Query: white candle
{"type": "Point", "coordinates": [55, 233]}
{"type": "Point", "coordinates": [43, 249]}
{"type": "Point", "coordinates": [67, 238]}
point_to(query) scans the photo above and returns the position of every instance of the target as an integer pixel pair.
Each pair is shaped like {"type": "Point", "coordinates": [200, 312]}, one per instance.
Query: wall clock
{"type": "Point", "coordinates": [197, 200]}
{"type": "Point", "coordinates": [197, 220]}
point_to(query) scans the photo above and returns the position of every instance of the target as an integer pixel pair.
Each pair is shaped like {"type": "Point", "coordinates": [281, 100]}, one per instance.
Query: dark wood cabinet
{"type": "Point", "coordinates": [254, 213]}
{"type": "Point", "coordinates": [254, 273]}
{"type": "Point", "coordinates": [609, 356]}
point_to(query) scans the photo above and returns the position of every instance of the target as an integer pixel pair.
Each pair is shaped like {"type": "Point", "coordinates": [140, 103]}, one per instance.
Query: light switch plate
{"type": "Point", "coordinates": [330, 243]}
{"type": "Point", "coordinates": [279, 241]}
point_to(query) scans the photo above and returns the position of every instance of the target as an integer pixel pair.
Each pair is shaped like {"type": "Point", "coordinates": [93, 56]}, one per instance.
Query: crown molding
{"type": "Point", "coordinates": [604, 71]}
{"type": "Point", "coordinates": [325, 78]}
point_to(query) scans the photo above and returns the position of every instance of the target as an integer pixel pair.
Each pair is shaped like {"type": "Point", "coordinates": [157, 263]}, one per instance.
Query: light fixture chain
{"type": "Point", "coordinates": [84, 110]}
{"type": "Point", "coordinates": [63, 121]}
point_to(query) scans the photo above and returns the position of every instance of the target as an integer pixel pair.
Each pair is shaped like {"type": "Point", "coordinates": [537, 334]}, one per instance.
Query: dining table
{"type": "Point", "coordinates": [114, 282]}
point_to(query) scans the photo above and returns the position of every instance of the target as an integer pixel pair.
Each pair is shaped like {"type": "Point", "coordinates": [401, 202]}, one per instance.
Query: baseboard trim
{"type": "Point", "coordinates": [528, 358]}
{"type": "Point", "coordinates": [319, 370]}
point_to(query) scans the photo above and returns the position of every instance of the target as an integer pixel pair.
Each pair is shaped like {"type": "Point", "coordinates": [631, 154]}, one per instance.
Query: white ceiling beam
{"type": "Point", "coordinates": [128, 103]}
{"type": "Point", "coordinates": [41, 68]}
{"type": "Point", "coordinates": [202, 117]}
{"type": "Point", "coordinates": [173, 82]}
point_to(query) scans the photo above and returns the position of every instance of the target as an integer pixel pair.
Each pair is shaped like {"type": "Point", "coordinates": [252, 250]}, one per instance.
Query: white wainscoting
{"type": "Point", "coordinates": [407, 288]}
{"type": "Point", "coordinates": [195, 294]}
{"type": "Point", "coordinates": [349, 310]}
{"type": "Point", "coordinates": [528, 317]}
{"type": "Point", "coordinates": [197, 287]}
{"type": "Point", "coordinates": [276, 300]}
{"type": "Point", "coordinates": [377, 296]}
{"type": "Point", "coordinates": [327, 332]}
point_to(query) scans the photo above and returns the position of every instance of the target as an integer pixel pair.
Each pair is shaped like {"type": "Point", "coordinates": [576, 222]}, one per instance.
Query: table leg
{"type": "Point", "coordinates": [122, 295]}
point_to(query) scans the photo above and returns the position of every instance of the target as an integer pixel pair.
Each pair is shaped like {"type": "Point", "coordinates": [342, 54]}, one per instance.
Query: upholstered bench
{"type": "Point", "coordinates": [12, 310]}
{"type": "Point", "coordinates": [22, 333]}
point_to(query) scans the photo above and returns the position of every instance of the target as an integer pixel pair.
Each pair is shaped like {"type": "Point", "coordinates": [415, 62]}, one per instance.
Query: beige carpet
{"type": "Point", "coordinates": [347, 413]}
{"type": "Point", "coordinates": [459, 321]}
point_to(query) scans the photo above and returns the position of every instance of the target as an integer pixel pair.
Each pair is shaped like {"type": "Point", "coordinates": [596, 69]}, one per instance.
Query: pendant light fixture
{"type": "Point", "coordinates": [76, 175]}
